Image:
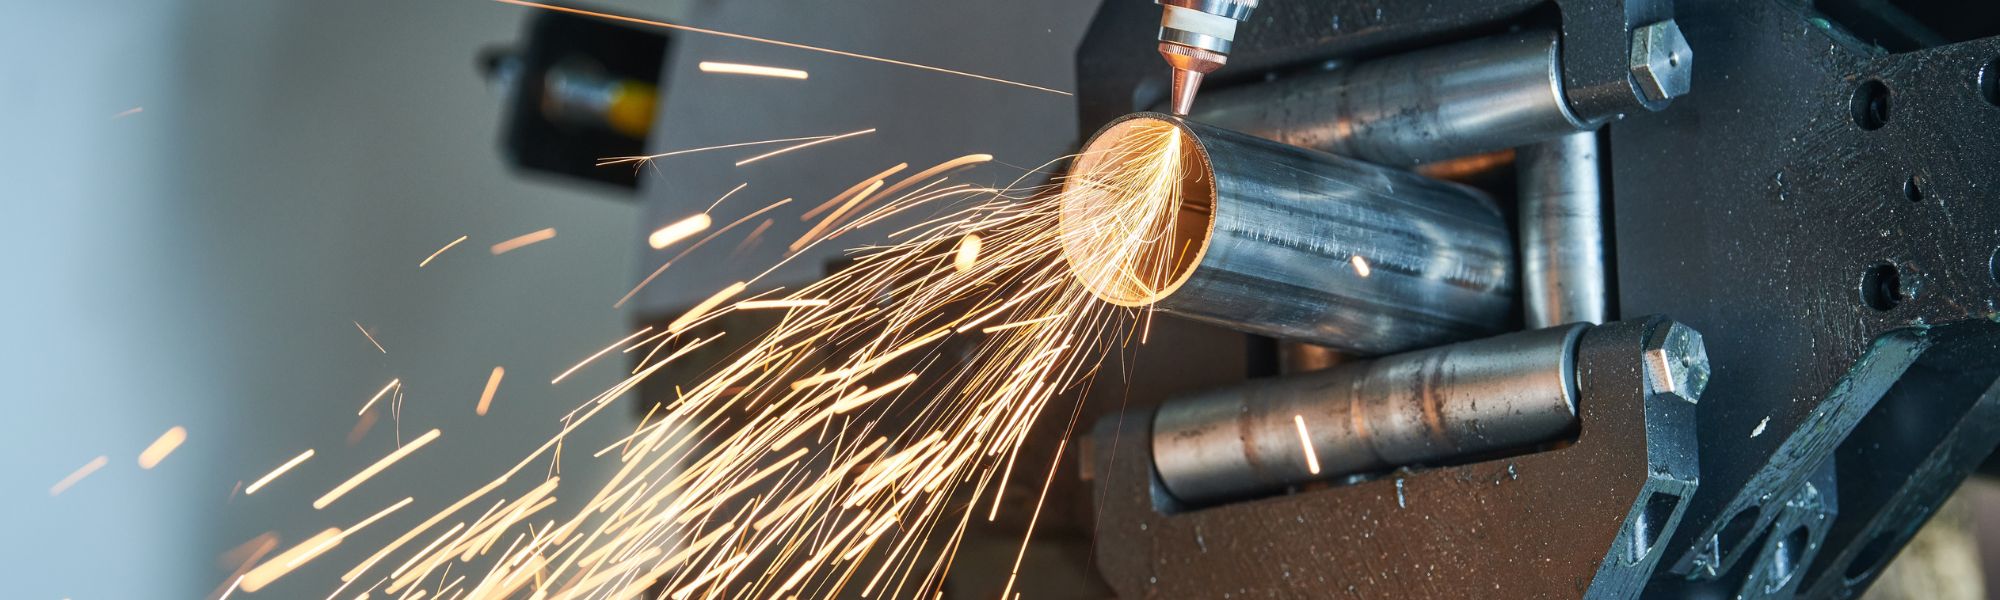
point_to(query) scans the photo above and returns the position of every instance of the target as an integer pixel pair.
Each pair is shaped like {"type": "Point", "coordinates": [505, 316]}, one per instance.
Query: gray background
{"type": "Point", "coordinates": [198, 263]}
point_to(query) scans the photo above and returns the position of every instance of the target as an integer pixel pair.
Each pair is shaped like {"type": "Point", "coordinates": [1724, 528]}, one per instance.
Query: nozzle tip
{"type": "Point", "coordinates": [1186, 83]}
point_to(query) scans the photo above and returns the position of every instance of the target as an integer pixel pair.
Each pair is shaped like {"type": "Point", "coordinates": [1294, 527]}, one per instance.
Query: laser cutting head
{"type": "Point", "coordinates": [1194, 38]}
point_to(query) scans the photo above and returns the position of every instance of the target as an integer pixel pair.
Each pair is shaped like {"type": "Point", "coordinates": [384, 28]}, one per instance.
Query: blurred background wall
{"type": "Point", "coordinates": [278, 171]}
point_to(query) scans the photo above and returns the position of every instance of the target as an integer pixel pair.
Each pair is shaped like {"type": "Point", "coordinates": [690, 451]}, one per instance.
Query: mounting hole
{"type": "Point", "coordinates": [1993, 265]}
{"type": "Point", "coordinates": [1870, 105]}
{"type": "Point", "coordinates": [1914, 187]}
{"type": "Point", "coordinates": [1871, 556]}
{"type": "Point", "coordinates": [1653, 517]}
{"type": "Point", "coordinates": [1989, 82]}
{"type": "Point", "coordinates": [1882, 287]}
{"type": "Point", "coordinates": [1786, 557]}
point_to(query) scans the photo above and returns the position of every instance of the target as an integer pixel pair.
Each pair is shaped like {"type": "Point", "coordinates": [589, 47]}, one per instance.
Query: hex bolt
{"type": "Point", "coordinates": [1661, 61]}
{"type": "Point", "coordinates": [1677, 363]}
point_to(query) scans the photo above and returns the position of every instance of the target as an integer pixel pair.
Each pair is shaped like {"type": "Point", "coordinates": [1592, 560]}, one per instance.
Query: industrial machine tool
{"type": "Point", "coordinates": [1804, 190]}
{"type": "Point", "coordinates": [1531, 299]}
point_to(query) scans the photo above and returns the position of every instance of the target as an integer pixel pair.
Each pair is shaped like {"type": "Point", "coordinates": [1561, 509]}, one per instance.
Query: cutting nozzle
{"type": "Point", "coordinates": [1195, 36]}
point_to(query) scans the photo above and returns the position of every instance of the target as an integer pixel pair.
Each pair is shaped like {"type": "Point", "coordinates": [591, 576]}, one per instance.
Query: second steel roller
{"type": "Point", "coordinates": [1303, 245]}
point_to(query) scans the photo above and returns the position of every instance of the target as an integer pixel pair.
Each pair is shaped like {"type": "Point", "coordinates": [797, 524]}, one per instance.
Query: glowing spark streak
{"type": "Point", "coordinates": [492, 385]}
{"type": "Point", "coordinates": [163, 446]}
{"type": "Point", "coordinates": [835, 217]}
{"type": "Point", "coordinates": [1009, 303]}
{"type": "Point", "coordinates": [78, 475]}
{"type": "Point", "coordinates": [1023, 323]}
{"type": "Point", "coordinates": [725, 196]}
{"type": "Point", "coordinates": [426, 551]}
{"type": "Point", "coordinates": [699, 310]}
{"type": "Point", "coordinates": [757, 70]}
{"type": "Point", "coordinates": [370, 336]}
{"type": "Point", "coordinates": [232, 588]}
{"type": "Point", "coordinates": [678, 230]}
{"type": "Point", "coordinates": [967, 256]}
{"type": "Point", "coordinates": [335, 540]}
{"type": "Point", "coordinates": [607, 349]}
{"type": "Point", "coordinates": [278, 471]}
{"type": "Point", "coordinates": [393, 384]}
{"type": "Point", "coordinates": [760, 40]}
{"type": "Point", "coordinates": [969, 159]}
{"type": "Point", "coordinates": [752, 238]}
{"type": "Point", "coordinates": [524, 240]}
{"type": "Point", "coordinates": [1305, 441]}
{"type": "Point", "coordinates": [793, 147]}
{"type": "Point", "coordinates": [379, 465]}
{"type": "Point", "coordinates": [851, 190]}
{"type": "Point", "coordinates": [760, 304]}
{"type": "Point", "coordinates": [129, 112]}
{"type": "Point", "coordinates": [614, 160]}
{"type": "Point", "coordinates": [421, 527]}
{"type": "Point", "coordinates": [1360, 266]}
{"type": "Point", "coordinates": [859, 400]}
{"type": "Point", "coordinates": [871, 363]}
{"type": "Point", "coordinates": [285, 561]}
{"type": "Point", "coordinates": [434, 255]}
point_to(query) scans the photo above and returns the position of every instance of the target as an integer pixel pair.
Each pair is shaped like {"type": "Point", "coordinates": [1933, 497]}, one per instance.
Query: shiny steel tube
{"type": "Point", "coordinates": [1562, 232]}
{"type": "Point", "coordinates": [1457, 100]}
{"type": "Point", "coordinates": [1429, 406]}
{"type": "Point", "coordinates": [1307, 246]}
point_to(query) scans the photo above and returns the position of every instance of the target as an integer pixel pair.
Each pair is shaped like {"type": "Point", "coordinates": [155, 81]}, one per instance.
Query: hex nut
{"type": "Point", "coordinates": [1677, 363]}
{"type": "Point", "coordinates": [1661, 61]}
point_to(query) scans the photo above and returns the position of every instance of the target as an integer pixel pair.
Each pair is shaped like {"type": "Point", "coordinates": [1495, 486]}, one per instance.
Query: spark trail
{"type": "Point", "coordinates": [846, 448]}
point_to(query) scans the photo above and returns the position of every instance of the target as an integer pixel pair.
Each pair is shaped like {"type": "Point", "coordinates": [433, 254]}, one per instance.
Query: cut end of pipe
{"type": "Point", "coordinates": [1137, 210]}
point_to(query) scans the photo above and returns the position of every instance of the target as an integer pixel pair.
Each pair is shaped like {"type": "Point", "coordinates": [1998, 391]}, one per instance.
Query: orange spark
{"type": "Point", "coordinates": [760, 40]}
{"type": "Point", "coordinates": [762, 304]}
{"type": "Point", "coordinates": [285, 561]}
{"type": "Point", "coordinates": [162, 446]}
{"type": "Point", "coordinates": [261, 481]}
{"type": "Point", "coordinates": [492, 385]}
{"type": "Point", "coordinates": [757, 70]}
{"type": "Point", "coordinates": [78, 475]}
{"type": "Point", "coordinates": [129, 112]}
{"type": "Point", "coordinates": [616, 160]}
{"type": "Point", "coordinates": [427, 260]}
{"type": "Point", "coordinates": [967, 255]}
{"type": "Point", "coordinates": [393, 384]}
{"type": "Point", "coordinates": [700, 310]}
{"type": "Point", "coordinates": [796, 146]}
{"type": "Point", "coordinates": [1305, 441]}
{"type": "Point", "coordinates": [370, 336]}
{"type": "Point", "coordinates": [358, 478]}
{"type": "Point", "coordinates": [614, 345]}
{"type": "Point", "coordinates": [678, 230]}
{"type": "Point", "coordinates": [1360, 265]}
{"type": "Point", "coordinates": [524, 240]}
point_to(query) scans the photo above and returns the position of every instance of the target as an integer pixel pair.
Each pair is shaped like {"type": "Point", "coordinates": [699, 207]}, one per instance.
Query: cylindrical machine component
{"type": "Point", "coordinates": [1457, 100]}
{"type": "Point", "coordinates": [1562, 232]}
{"type": "Point", "coordinates": [1282, 241]}
{"type": "Point", "coordinates": [1195, 36]}
{"type": "Point", "coordinates": [1429, 406]}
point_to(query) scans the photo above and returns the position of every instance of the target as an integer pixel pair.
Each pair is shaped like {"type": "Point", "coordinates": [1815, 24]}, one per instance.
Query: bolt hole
{"type": "Point", "coordinates": [1989, 82]}
{"type": "Point", "coordinates": [1882, 287]}
{"type": "Point", "coordinates": [1659, 509]}
{"type": "Point", "coordinates": [1913, 188]}
{"type": "Point", "coordinates": [1870, 105]}
{"type": "Point", "coordinates": [1871, 556]}
{"type": "Point", "coordinates": [1993, 266]}
{"type": "Point", "coordinates": [1786, 557]}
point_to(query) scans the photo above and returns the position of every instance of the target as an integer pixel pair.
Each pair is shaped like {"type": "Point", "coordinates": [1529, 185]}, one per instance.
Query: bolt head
{"type": "Point", "coordinates": [1662, 64]}
{"type": "Point", "coordinates": [1677, 363]}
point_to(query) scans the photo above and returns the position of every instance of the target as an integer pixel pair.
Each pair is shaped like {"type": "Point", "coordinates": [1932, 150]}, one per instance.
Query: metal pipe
{"type": "Point", "coordinates": [1306, 246]}
{"type": "Point", "coordinates": [1562, 232]}
{"type": "Point", "coordinates": [1456, 100]}
{"type": "Point", "coordinates": [1428, 406]}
